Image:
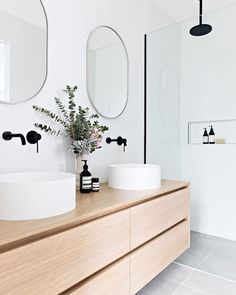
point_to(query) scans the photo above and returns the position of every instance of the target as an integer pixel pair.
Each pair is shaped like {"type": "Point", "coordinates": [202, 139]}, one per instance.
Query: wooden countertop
{"type": "Point", "coordinates": [89, 207]}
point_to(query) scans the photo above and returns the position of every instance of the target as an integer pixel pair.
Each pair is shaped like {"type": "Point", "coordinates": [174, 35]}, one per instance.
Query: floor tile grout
{"type": "Point", "coordinates": [205, 272]}
{"type": "Point", "coordinates": [205, 258]}
{"type": "Point", "coordinates": [203, 292]}
{"type": "Point", "coordinates": [183, 281]}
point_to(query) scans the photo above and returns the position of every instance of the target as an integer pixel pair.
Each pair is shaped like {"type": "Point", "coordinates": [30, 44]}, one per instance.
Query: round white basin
{"type": "Point", "coordinates": [134, 176]}
{"type": "Point", "coordinates": [33, 195]}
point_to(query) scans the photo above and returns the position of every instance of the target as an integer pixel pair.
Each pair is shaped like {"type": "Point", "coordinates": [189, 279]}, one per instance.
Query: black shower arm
{"type": "Point", "coordinates": [200, 13]}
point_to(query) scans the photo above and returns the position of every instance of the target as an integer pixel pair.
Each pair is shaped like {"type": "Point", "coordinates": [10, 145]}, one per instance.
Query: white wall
{"type": "Point", "coordinates": [208, 93]}
{"type": "Point", "coordinates": [70, 23]}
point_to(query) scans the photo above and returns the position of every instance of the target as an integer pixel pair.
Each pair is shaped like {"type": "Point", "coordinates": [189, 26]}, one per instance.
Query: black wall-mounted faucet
{"type": "Point", "coordinates": [7, 135]}
{"type": "Point", "coordinates": [33, 138]}
{"type": "Point", "coordinates": [120, 140]}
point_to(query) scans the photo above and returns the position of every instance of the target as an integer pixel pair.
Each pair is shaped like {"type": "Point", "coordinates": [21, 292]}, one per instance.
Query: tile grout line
{"type": "Point", "coordinates": [207, 273]}
{"type": "Point", "coordinates": [192, 268]}
{"type": "Point", "coordinates": [207, 256]}
{"type": "Point", "coordinates": [184, 279]}
{"type": "Point", "coordinates": [202, 292]}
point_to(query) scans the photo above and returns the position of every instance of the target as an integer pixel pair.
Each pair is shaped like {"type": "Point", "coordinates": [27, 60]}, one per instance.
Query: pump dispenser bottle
{"type": "Point", "coordinates": [211, 136]}
{"type": "Point", "coordinates": [205, 137]}
{"type": "Point", "coordinates": [85, 179]}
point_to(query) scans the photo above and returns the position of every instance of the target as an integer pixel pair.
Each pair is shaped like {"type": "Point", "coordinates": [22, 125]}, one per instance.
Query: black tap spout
{"type": "Point", "coordinates": [7, 135]}
{"type": "Point", "coordinates": [21, 136]}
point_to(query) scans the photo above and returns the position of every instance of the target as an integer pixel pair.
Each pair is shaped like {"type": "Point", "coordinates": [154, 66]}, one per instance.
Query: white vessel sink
{"type": "Point", "coordinates": [33, 195]}
{"type": "Point", "coordinates": [134, 176]}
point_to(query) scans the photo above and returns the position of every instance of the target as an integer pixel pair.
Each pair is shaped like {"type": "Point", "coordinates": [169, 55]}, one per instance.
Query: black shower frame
{"type": "Point", "coordinates": [145, 99]}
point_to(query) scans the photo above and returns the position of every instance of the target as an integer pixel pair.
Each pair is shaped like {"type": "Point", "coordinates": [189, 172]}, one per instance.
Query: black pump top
{"type": "Point", "coordinates": [205, 132]}
{"type": "Point", "coordinates": [211, 131]}
{"type": "Point", "coordinates": [85, 165]}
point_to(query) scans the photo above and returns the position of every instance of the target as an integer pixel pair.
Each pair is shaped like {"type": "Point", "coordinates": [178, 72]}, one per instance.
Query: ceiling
{"type": "Point", "coordinates": [184, 9]}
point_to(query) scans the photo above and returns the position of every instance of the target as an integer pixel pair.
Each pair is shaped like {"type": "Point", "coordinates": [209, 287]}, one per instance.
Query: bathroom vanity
{"type": "Point", "coordinates": [114, 242]}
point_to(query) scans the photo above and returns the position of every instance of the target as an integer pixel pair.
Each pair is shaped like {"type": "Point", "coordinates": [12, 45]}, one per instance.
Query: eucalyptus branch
{"type": "Point", "coordinates": [83, 129]}
{"type": "Point", "coordinates": [62, 108]}
{"type": "Point", "coordinates": [71, 104]}
{"type": "Point", "coordinates": [48, 129]}
{"type": "Point", "coordinates": [50, 114]}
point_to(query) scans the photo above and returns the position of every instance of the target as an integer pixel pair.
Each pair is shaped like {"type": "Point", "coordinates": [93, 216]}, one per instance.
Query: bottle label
{"type": "Point", "coordinates": [87, 182]}
{"type": "Point", "coordinates": [212, 138]}
{"type": "Point", "coordinates": [205, 139]}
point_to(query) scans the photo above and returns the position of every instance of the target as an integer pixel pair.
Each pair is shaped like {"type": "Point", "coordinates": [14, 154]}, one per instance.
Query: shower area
{"type": "Point", "coordinates": [191, 85]}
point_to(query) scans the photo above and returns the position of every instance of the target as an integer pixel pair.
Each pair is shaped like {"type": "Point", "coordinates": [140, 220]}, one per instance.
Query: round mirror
{"type": "Point", "coordinates": [107, 72]}
{"type": "Point", "coordinates": [23, 49]}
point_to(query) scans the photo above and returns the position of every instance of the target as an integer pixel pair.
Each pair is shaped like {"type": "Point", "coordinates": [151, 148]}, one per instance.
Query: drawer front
{"type": "Point", "coordinates": [149, 260]}
{"type": "Point", "coordinates": [152, 218]}
{"type": "Point", "coordinates": [54, 264]}
{"type": "Point", "coordinates": [114, 280]}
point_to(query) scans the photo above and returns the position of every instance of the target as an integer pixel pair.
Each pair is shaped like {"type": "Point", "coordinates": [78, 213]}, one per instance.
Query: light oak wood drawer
{"type": "Point", "coordinates": [149, 260]}
{"type": "Point", "coordinates": [54, 264]}
{"type": "Point", "coordinates": [114, 280]}
{"type": "Point", "coordinates": [151, 218]}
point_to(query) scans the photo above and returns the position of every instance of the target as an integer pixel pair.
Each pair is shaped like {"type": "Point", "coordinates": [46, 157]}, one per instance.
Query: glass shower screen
{"type": "Point", "coordinates": [163, 100]}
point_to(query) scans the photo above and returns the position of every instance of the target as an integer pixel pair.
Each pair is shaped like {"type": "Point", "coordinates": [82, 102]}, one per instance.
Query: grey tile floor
{"type": "Point", "coordinates": [207, 268]}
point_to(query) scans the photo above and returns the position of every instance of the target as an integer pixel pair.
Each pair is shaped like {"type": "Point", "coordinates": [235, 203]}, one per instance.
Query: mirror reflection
{"type": "Point", "coordinates": [23, 49]}
{"type": "Point", "coordinates": [107, 72]}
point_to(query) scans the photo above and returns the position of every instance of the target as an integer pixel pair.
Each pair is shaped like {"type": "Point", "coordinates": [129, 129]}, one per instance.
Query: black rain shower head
{"type": "Point", "coordinates": [201, 29]}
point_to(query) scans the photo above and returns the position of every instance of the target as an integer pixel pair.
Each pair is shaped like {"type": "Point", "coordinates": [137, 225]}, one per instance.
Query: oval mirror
{"type": "Point", "coordinates": [107, 72]}
{"type": "Point", "coordinates": [23, 49]}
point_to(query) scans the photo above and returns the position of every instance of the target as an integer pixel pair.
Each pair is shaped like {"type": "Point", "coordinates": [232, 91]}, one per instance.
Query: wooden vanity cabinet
{"type": "Point", "coordinates": [152, 218]}
{"type": "Point", "coordinates": [52, 265]}
{"type": "Point", "coordinates": [116, 253]}
{"type": "Point", "coordinates": [149, 260]}
{"type": "Point", "coordinates": [114, 280]}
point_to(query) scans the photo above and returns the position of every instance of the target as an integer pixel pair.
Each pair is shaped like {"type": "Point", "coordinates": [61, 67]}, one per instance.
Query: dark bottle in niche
{"type": "Point", "coordinates": [205, 137]}
{"type": "Point", "coordinates": [85, 179]}
{"type": "Point", "coordinates": [211, 136]}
